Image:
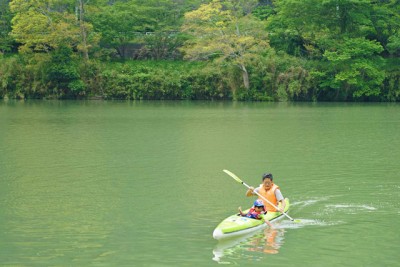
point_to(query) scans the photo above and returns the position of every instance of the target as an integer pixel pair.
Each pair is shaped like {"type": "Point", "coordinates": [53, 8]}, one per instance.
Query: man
{"type": "Point", "coordinates": [270, 191]}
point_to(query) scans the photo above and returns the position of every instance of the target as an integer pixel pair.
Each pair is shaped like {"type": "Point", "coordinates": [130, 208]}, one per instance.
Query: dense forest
{"type": "Point", "coordinates": [258, 50]}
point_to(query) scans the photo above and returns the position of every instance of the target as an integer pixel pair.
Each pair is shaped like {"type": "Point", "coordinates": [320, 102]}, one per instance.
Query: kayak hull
{"type": "Point", "coordinates": [236, 225]}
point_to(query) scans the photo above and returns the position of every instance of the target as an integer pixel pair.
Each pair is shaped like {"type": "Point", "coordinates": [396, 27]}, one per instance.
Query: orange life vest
{"type": "Point", "coordinates": [270, 195]}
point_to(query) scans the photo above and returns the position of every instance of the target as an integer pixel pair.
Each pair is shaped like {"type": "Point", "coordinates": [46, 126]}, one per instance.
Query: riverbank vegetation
{"type": "Point", "coordinates": [259, 50]}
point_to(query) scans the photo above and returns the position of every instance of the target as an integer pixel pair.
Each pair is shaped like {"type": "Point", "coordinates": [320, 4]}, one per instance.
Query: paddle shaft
{"type": "Point", "coordinates": [246, 185]}
{"type": "Point", "coordinates": [284, 213]}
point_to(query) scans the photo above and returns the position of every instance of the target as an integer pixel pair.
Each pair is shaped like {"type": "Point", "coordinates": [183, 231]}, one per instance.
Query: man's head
{"type": "Point", "coordinates": [267, 179]}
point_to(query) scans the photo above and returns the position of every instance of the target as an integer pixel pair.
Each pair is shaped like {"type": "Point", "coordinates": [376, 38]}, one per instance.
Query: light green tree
{"type": "Point", "coordinates": [225, 31]}
{"type": "Point", "coordinates": [41, 25]}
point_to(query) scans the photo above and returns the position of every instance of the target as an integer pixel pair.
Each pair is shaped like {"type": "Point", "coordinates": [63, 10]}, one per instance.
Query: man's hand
{"type": "Point", "coordinates": [250, 191]}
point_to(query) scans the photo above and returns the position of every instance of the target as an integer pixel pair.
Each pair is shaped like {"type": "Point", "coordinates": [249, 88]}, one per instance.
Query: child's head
{"type": "Point", "coordinates": [258, 205]}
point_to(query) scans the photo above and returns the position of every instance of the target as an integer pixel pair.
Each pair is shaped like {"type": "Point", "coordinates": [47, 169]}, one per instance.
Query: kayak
{"type": "Point", "coordinates": [236, 225]}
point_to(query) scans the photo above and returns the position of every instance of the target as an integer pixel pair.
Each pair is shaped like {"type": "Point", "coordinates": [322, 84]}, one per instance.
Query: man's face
{"type": "Point", "coordinates": [267, 183]}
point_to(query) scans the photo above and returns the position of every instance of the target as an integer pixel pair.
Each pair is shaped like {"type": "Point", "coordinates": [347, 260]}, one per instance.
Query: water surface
{"type": "Point", "coordinates": [141, 183]}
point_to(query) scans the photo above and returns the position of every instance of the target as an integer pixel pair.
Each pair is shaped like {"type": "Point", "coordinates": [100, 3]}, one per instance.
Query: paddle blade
{"type": "Point", "coordinates": [231, 174]}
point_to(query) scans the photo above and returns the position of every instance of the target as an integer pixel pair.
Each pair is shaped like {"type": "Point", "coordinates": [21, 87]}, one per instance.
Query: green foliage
{"type": "Point", "coordinates": [225, 32]}
{"type": "Point", "coordinates": [41, 26]}
{"type": "Point", "coordinates": [63, 75]}
{"type": "Point", "coordinates": [57, 76]}
{"type": "Point", "coordinates": [353, 66]}
{"type": "Point", "coordinates": [23, 76]}
{"type": "Point", "coordinates": [309, 27]}
{"type": "Point", "coordinates": [286, 50]}
{"type": "Point", "coordinates": [161, 45]}
{"type": "Point", "coordinates": [6, 41]}
{"type": "Point", "coordinates": [9, 68]}
{"type": "Point", "coordinates": [149, 26]}
{"type": "Point", "coordinates": [163, 80]}
{"type": "Point", "coordinates": [391, 85]}
{"type": "Point", "coordinates": [343, 40]}
{"type": "Point", "coordinates": [385, 21]}
{"type": "Point", "coordinates": [263, 12]}
{"type": "Point", "coordinates": [279, 77]}
{"type": "Point", "coordinates": [393, 45]}
{"type": "Point", "coordinates": [41, 76]}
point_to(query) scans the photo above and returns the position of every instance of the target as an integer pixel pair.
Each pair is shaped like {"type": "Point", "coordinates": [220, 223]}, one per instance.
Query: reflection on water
{"type": "Point", "coordinates": [268, 241]}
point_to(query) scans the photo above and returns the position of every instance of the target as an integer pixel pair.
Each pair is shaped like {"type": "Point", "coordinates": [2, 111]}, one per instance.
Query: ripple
{"type": "Point", "coordinates": [299, 223]}
{"type": "Point", "coordinates": [350, 206]}
{"type": "Point", "coordinates": [310, 202]}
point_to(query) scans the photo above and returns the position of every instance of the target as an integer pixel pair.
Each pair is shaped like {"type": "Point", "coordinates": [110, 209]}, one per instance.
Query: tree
{"type": "Point", "coordinates": [6, 41]}
{"type": "Point", "coordinates": [62, 73]}
{"type": "Point", "coordinates": [307, 28]}
{"type": "Point", "coordinates": [42, 26]}
{"type": "Point", "coordinates": [346, 39]}
{"type": "Point", "coordinates": [354, 68]}
{"type": "Point", "coordinates": [146, 25]}
{"type": "Point", "coordinates": [385, 20]}
{"type": "Point", "coordinates": [117, 23]}
{"type": "Point", "coordinates": [226, 32]}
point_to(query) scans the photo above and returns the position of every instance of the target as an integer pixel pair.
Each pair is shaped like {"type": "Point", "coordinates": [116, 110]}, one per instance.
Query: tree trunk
{"type": "Point", "coordinates": [83, 30]}
{"type": "Point", "coordinates": [245, 75]}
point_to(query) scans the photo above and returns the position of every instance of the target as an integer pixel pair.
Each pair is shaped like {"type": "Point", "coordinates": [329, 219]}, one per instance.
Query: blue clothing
{"type": "Point", "coordinates": [253, 214]}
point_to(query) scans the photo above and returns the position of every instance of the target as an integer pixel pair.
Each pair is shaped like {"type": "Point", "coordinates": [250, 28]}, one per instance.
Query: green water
{"type": "Point", "coordinates": [141, 184]}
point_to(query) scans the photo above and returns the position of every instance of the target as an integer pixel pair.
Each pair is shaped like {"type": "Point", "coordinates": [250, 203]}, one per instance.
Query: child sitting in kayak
{"type": "Point", "coordinates": [256, 211]}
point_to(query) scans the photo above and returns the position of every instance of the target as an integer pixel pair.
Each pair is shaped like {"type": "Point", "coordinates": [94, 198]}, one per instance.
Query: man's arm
{"type": "Point", "coordinates": [283, 205]}
{"type": "Point", "coordinates": [281, 199]}
{"type": "Point", "coordinates": [251, 191]}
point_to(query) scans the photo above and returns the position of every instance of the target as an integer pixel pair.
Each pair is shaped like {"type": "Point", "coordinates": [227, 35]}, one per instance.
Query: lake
{"type": "Point", "coordinates": [114, 183]}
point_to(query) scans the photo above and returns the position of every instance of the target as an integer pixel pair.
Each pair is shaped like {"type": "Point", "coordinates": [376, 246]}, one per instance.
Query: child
{"type": "Point", "coordinates": [256, 211]}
